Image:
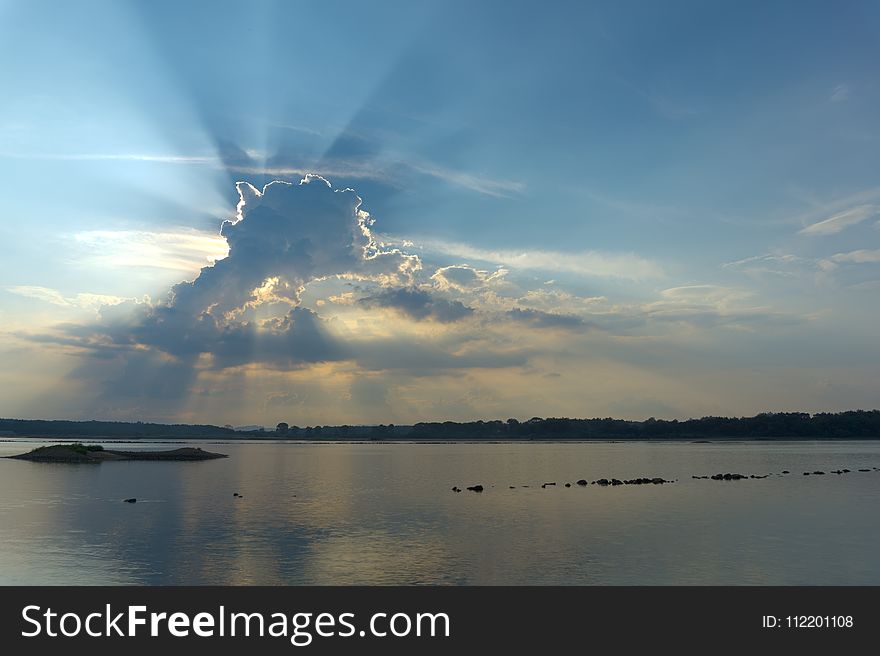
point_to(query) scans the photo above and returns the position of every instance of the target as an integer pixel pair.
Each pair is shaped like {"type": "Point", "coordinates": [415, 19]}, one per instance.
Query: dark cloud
{"type": "Point", "coordinates": [419, 304]}
{"type": "Point", "coordinates": [541, 319]}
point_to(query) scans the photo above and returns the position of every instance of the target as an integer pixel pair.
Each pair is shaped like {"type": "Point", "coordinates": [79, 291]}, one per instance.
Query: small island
{"type": "Point", "coordinates": [80, 453]}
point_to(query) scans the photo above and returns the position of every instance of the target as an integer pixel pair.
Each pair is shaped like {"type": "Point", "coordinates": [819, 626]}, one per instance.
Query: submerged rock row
{"type": "Point", "coordinates": [728, 476]}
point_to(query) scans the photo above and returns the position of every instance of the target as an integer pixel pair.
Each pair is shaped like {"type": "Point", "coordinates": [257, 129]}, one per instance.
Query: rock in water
{"type": "Point", "coordinates": [132, 500]}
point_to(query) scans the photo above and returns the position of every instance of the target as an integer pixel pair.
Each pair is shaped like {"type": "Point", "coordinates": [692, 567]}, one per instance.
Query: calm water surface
{"type": "Point", "coordinates": [384, 514]}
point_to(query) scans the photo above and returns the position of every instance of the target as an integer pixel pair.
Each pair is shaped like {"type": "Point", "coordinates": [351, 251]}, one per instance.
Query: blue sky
{"type": "Point", "coordinates": [665, 209]}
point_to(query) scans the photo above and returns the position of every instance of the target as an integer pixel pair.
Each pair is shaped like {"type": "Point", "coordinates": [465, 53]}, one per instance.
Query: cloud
{"type": "Point", "coordinates": [464, 278]}
{"type": "Point", "coordinates": [705, 294]}
{"type": "Point", "coordinates": [541, 319]}
{"type": "Point", "coordinates": [711, 306]}
{"type": "Point", "coordinates": [857, 257]}
{"type": "Point", "coordinates": [834, 224]}
{"type": "Point", "coordinates": [793, 266]}
{"type": "Point", "coordinates": [295, 233]}
{"type": "Point", "coordinates": [181, 250]}
{"type": "Point", "coordinates": [55, 297]}
{"type": "Point", "coordinates": [419, 305]}
{"type": "Point", "coordinates": [478, 183]}
{"type": "Point", "coordinates": [352, 156]}
{"type": "Point", "coordinates": [785, 265]}
{"type": "Point", "coordinates": [282, 238]}
{"type": "Point", "coordinates": [117, 157]}
{"type": "Point", "coordinates": [840, 93]}
{"type": "Point", "coordinates": [863, 256]}
{"type": "Point", "coordinates": [627, 266]}
{"type": "Point", "coordinates": [294, 250]}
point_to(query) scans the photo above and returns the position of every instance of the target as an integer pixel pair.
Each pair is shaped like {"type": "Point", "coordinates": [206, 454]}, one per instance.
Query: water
{"type": "Point", "coordinates": [385, 514]}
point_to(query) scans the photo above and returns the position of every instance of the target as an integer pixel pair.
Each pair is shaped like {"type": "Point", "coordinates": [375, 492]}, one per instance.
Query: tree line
{"type": "Point", "coordinates": [852, 424]}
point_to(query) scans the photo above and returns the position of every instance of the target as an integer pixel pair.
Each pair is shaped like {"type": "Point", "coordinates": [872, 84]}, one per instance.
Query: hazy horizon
{"type": "Point", "coordinates": [429, 211]}
{"type": "Point", "coordinates": [521, 419]}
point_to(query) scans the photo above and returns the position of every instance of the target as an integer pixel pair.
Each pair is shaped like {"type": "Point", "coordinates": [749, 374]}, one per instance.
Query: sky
{"type": "Point", "coordinates": [391, 212]}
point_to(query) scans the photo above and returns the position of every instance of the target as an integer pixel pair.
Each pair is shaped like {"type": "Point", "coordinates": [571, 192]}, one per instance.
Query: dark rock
{"type": "Point", "coordinates": [476, 488]}
{"type": "Point", "coordinates": [582, 482]}
{"type": "Point", "coordinates": [511, 487]}
{"type": "Point", "coordinates": [646, 481]}
{"type": "Point", "coordinates": [864, 470]}
{"type": "Point", "coordinates": [615, 481]}
{"type": "Point", "coordinates": [806, 473]}
{"type": "Point", "coordinates": [728, 477]}
{"type": "Point", "coordinates": [132, 500]}
{"type": "Point", "coordinates": [785, 471]}
{"type": "Point", "coordinates": [455, 488]}
{"type": "Point", "coordinates": [602, 481]}
{"type": "Point", "coordinates": [819, 473]}
{"type": "Point", "coordinates": [846, 471]}
{"type": "Point", "coordinates": [568, 485]}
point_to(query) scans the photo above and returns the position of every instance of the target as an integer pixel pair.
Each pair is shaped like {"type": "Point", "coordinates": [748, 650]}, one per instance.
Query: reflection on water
{"type": "Point", "coordinates": [384, 514]}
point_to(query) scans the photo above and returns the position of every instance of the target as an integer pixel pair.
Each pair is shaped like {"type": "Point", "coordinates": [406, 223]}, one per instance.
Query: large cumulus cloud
{"type": "Point", "coordinates": [282, 238]}
{"type": "Point", "coordinates": [292, 234]}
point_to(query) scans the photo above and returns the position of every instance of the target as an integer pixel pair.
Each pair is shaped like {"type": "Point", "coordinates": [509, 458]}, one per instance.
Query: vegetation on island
{"type": "Point", "coordinates": [80, 453]}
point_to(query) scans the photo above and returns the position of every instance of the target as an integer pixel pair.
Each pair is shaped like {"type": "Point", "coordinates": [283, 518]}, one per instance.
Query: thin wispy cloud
{"type": "Point", "coordinates": [862, 256]}
{"type": "Point", "coordinates": [785, 265]}
{"type": "Point", "coordinates": [386, 171]}
{"type": "Point", "coordinates": [116, 157]}
{"type": "Point", "coordinates": [840, 221]}
{"type": "Point", "coordinates": [55, 297]}
{"type": "Point", "coordinates": [478, 183]}
{"type": "Point", "coordinates": [840, 93]}
{"type": "Point", "coordinates": [627, 266]}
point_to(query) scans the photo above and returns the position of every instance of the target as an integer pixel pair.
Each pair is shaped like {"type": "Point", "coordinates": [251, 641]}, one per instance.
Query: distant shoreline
{"type": "Point", "coordinates": [403, 440]}
{"type": "Point", "coordinates": [770, 426]}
